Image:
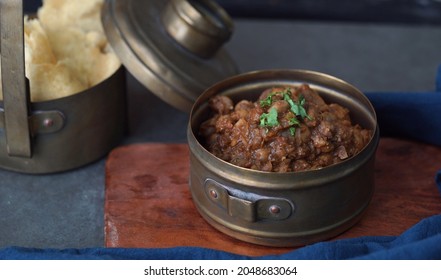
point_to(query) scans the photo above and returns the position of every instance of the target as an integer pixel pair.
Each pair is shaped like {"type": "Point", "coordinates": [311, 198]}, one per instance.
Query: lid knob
{"type": "Point", "coordinates": [200, 26]}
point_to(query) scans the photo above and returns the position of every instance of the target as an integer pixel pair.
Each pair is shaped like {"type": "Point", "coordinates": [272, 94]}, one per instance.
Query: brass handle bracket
{"type": "Point", "coordinates": [41, 122]}
{"type": "Point", "coordinates": [248, 206]}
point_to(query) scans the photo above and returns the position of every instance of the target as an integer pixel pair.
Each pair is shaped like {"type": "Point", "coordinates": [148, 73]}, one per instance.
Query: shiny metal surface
{"type": "Point", "coordinates": [199, 26]}
{"type": "Point", "coordinates": [323, 202]}
{"type": "Point", "coordinates": [159, 61]}
{"type": "Point", "coordinates": [15, 86]}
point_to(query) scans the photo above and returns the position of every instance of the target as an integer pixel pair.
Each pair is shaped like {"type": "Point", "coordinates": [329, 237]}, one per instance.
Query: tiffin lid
{"type": "Point", "coordinates": [174, 48]}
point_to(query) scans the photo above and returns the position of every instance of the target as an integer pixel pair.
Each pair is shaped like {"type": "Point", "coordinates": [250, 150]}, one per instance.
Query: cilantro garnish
{"type": "Point", "coordinates": [296, 107]}
{"type": "Point", "coordinates": [294, 121]}
{"type": "Point", "coordinates": [269, 119]}
{"type": "Point", "coordinates": [292, 130]}
{"type": "Point", "coordinates": [268, 100]}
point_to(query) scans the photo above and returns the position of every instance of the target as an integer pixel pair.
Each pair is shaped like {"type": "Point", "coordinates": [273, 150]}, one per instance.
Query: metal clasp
{"type": "Point", "coordinates": [248, 206]}
{"type": "Point", "coordinates": [41, 122]}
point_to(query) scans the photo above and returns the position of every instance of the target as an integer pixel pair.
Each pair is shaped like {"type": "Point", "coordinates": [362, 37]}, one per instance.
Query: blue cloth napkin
{"type": "Point", "coordinates": [405, 115]}
{"type": "Point", "coordinates": [409, 115]}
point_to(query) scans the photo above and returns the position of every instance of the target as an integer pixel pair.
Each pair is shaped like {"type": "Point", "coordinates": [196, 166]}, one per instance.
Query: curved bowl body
{"type": "Point", "coordinates": [72, 131]}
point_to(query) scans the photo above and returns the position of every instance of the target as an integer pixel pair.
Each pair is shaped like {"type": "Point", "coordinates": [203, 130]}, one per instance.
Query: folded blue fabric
{"type": "Point", "coordinates": [410, 115]}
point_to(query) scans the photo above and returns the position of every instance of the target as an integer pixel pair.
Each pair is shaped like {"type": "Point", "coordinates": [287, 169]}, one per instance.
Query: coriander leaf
{"type": "Point", "coordinates": [267, 101]}
{"type": "Point", "coordinates": [292, 130]}
{"type": "Point", "coordinates": [302, 111]}
{"type": "Point", "coordinates": [272, 117]}
{"type": "Point", "coordinates": [294, 121]}
{"type": "Point", "coordinates": [288, 99]}
{"type": "Point", "coordinates": [302, 100]}
{"type": "Point", "coordinates": [262, 119]}
{"type": "Point", "coordinates": [297, 107]}
{"type": "Point", "coordinates": [269, 119]}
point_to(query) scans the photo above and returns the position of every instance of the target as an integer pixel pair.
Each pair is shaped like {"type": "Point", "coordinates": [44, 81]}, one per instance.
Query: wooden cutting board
{"type": "Point", "coordinates": [148, 202]}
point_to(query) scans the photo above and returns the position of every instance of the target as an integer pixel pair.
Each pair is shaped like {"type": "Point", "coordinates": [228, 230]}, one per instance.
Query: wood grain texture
{"type": "Point", "coordinates": [148, 202]}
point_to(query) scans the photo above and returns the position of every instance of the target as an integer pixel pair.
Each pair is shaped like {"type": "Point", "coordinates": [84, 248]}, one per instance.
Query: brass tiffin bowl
{"type": "Point", "coordinates": [72, 131]}
{"type": "Point", "coordinates": [58, 134]}
{"type": "Point", "coordinates": [282, 209]}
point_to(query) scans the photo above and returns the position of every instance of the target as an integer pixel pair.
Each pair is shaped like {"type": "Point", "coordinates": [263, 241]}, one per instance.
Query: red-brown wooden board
{"type": "Point", "coordinates": [148, 202]}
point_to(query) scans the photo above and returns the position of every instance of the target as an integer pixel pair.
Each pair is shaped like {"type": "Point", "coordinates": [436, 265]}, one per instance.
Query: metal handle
{"type": "Point", "coordinates": [15, 87]}
{"type": "Point", "coordinates": [248, 206]}
{"type": "Point", "coordinates": [200, 26]}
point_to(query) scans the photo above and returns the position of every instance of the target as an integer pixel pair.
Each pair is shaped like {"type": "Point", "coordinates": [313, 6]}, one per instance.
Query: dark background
{"type": "Point", "coordinates": [381, 11]}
